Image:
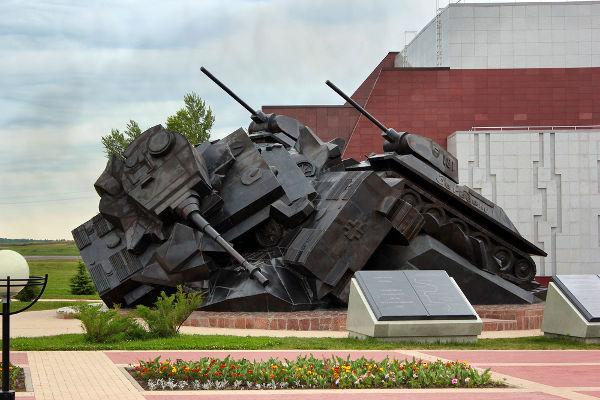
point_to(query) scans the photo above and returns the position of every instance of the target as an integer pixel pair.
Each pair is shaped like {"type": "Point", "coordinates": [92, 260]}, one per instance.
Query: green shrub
{"type": "Point", "coordinates": [28, 293]}
{"type": "Point", "coordinates": [81, 283]}
{"type": "Point", "coordinates": [108, 325]}
{"type": "Point", "coordinates": [170, 313]}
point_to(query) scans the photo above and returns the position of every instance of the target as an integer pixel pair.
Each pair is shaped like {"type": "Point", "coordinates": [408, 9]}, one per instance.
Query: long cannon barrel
{"type": "Point", "coordinates": [205, 227]}
{"type": "Point", "coordinates": [256, 114]}
{"type": "Point", "coordinates": [388, 133]}
{"type": "Point", "coordinates": [189, 210]}
{"type": "Point", "coordinates": [406, 143]}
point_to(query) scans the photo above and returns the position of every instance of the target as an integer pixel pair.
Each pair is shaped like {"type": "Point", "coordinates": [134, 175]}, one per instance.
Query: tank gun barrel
{"type": "Point", "coordinates": [388, 133]}
{"type": "Point", "coordinates": [256, 114]}
{"type": "Point", "coordinates": [406, 143]}
{"type": "Point", "coordinates": [189, 210]}
{"type": "Point", "coordinates": [205, 227]}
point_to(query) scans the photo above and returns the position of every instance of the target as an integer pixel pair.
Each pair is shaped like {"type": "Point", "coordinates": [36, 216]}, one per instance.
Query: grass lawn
{"type": "Point", "coordinates": [219, 342]}
{"type": "Point", "coordinates": [43, 249]}
{"type": "Point", "coordinates": [59, 272]}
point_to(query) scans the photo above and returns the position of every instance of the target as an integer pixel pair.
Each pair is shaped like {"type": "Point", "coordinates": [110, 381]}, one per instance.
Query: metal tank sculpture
{"type": "Point", "coordinates": [275, 220]}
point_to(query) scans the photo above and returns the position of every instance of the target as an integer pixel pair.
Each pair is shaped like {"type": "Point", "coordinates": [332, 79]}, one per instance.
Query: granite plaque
{"type": "Point", "coordinates": [439, 295]}
{"type": "Point", "coordinates": [413, 295]}
{"type": "Point", "coordinates": [584, 293]}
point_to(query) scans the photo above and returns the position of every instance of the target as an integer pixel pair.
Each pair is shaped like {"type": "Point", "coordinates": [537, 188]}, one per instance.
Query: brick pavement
{"type": "Point", "coordinates": [74, 375]}
{"type": "Point", "coordinates": [532, 374]}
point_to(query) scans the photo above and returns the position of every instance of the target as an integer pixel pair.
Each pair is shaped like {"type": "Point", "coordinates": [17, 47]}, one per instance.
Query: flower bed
{"type": "Point", "coordinates": [306, 372]}
{"type": "Point", "coordinates": [16, 378]}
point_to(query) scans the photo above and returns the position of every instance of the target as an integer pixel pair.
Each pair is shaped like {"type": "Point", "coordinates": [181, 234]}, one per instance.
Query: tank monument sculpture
{"type": "Point", "coordinates": [273, 219]}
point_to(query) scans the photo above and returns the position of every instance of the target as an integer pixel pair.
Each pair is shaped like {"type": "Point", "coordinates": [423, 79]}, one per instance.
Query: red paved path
{"type": "Point", "coordinates": [555, 375]}
{"type": "Point", "coordinates": [533, 375]}
{"type": "Point", "coordinates": [595, 394]}
{"type": "Point", "coordinates": [19, 358]}
{"type": "Point", "coordinates": [520, 356]}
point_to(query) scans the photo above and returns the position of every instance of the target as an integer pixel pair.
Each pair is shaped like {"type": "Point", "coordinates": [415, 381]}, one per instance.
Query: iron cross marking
{"type": "Point", "coordinates": [353, 229]}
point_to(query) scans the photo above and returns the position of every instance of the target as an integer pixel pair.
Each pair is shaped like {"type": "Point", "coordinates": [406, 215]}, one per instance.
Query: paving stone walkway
{"type": "Point", "coordinates": [74, 375]}
{"type": "Point", "coordinates": [532, 374]}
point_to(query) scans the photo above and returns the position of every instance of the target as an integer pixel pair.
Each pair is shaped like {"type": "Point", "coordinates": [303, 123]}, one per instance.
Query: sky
{"type": "Point", "coordinates": [72, 70]}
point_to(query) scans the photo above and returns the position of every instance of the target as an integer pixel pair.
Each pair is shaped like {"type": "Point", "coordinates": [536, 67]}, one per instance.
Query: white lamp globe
{"type": "Point", "coordinates": [14, 265]}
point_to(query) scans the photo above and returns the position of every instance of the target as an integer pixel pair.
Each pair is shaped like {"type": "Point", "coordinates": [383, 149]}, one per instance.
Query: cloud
{"type": "Point", "coordinates": [74, 70]}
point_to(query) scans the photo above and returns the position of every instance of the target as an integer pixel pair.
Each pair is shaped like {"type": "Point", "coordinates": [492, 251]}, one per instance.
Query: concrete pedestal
{"type": "Point", "coordinates": [561, 318]}
{"type": "Point", "coordinates": [361, 323]}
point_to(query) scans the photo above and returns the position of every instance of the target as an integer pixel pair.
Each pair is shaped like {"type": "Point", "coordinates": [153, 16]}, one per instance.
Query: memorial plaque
{"type": "Point", "coordinates": [439, 295]}
{"type": "Point", "coordinates": [390, 295]}
{"type": "Point", "coordinates": [413, 295]}
{"type": "Point", "coordinates": [584, 293]}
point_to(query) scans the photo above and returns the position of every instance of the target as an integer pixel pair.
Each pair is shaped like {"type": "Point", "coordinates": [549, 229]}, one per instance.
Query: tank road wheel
{"type": "Point", "coordinates": [525, 270]}
{"type": "Point", "coordinates": [482, 237]}
{"type": "Point", "coordinates": [436, 212]}
{"type": "Point", "coordinates": [504, 257]}
{"type": "Point", "coordinates": [434, 218]}
{"type": "Point", "coordinates": [461, 224]}
{"type": "Point", "coordinates": [412, 198]}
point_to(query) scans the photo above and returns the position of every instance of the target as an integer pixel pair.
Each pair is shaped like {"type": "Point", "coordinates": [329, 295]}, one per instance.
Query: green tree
{"type": "Point", "coordinates": [194, 121]}
{"type": "Point", "coordinates": [117, 141]}
{"type": "Point", "coordinates": [81, 283]}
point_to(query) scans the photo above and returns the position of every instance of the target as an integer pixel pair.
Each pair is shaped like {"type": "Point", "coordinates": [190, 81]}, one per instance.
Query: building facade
{"type": "Point", "coordinates": [513, 89]}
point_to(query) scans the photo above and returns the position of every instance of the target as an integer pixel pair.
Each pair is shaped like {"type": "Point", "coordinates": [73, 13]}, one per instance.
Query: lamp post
{"type": "Point", "coordinates": [14, 276]}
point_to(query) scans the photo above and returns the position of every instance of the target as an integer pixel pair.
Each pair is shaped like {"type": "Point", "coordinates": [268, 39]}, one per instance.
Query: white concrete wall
{"type": "Point", "coordinates": [548, 184]}
{"type": "Point", "coordinates": [424, 52]}
{"type": "Point", "coordinates": [512, 35]}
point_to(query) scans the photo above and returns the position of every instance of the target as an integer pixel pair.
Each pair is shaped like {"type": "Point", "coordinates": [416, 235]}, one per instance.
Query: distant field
{"type": "Point", "coordinates": [43, 305]}
{"type": "Point", "coordinates": [43, 248]}
{"type": "Point", "coordinates": [59, 272]}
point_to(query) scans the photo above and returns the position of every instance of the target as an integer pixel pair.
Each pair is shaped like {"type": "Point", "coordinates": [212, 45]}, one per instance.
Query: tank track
{"type": "Point", "coordinates": [466, 236]}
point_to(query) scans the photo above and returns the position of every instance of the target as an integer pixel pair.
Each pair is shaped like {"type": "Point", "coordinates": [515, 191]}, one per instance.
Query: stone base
{"type": "Point", "coordinates": [361, 321]}
{"type": "Point", "coordinates": [590, 340]}
{"type": "Point", "coordinates": [562, 318]}
{"type": "Point", "coordinates": [418, 339]}
{"type": "Point", "coordinates": [316, 320]}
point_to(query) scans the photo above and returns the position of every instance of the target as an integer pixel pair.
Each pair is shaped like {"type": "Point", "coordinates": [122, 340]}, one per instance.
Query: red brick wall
{"type": "Point", "coordinates": [435, 102]}
{"type": "Point", "coordinates": [330, 122]}
{"type": "Point", "coordinates": [438, 102]}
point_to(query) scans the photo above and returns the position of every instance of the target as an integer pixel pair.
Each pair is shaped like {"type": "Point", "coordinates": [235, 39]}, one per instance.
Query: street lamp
{"type": "Point", "coordinates": [14, 276]}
